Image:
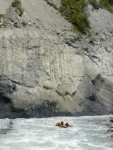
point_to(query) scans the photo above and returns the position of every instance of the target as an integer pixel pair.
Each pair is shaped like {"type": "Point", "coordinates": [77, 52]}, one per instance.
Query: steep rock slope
{"type": "Point", "coordinates": [99, 56]}
{"type": "Point", "coordinates": [47, 70]}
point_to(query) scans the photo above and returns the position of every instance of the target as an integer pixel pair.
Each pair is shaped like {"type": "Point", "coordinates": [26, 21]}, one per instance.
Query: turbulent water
{"type": "Point", "coordinates": [87, 133]}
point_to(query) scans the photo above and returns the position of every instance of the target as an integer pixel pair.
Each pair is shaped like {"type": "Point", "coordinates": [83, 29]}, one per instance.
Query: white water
{"type": "Point", "coordinates": [41, 134]}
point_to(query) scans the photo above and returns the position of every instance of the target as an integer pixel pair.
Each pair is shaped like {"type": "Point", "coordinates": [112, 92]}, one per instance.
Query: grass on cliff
{"type": "Point", "coordinates": [17, 5]}
{"type": "Point", "coordinates": [111, 2]}
{"type": "Point", "coordinates": [107, 4]}
{"type": "Point", "coordinates": [73, 10]}
{"type": "Point", "coordinates": [94, 3]}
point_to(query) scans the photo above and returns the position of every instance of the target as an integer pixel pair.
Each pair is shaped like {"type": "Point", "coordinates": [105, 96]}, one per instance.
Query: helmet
{"type": "Point", "coordinates": [62, 122]}
{"type": "Point", "coordinates": [67, 124]}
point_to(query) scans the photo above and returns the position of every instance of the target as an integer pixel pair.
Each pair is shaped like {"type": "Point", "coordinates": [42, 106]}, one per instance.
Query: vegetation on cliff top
{"type": "Point", "coordinates": [17, 5]}
{"type": "Point", "coordinates": [73, 11]}
{"type": "Point", "coordinates": [107, 4]}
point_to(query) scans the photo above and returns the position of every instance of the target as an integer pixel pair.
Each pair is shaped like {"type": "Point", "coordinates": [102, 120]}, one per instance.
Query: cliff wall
{"type": "Point", "coordinates": [46, 69]}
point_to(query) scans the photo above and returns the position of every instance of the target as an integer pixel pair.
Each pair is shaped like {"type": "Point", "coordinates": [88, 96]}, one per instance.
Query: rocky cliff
{"type": "Point", "coordinates": [46, 69]}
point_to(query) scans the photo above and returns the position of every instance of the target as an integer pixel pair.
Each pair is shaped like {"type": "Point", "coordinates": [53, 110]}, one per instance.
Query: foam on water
{"type": "Point", "coordinates": [42, 134]}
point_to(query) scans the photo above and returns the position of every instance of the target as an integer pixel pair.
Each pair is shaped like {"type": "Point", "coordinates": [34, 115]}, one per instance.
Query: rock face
{"type": "Point", "coordinates": [54, 3]}
{"type": "Point", "coordinates": [101, 20]}
{"type": "Point", "coordinates": [46, 70]}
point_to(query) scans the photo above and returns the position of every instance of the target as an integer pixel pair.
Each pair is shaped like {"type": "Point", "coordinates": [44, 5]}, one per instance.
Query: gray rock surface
{"type": "Point", "coordinates": [57, 3]}
{"type": "Point", "coordinates": [101, 20]}
{"type": "Point", "coordinates": [47, 70]}
{"type": "Point", "coordinates": [4, 5]}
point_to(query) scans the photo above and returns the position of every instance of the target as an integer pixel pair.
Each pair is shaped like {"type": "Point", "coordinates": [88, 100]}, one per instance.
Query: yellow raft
{"type": "Point", "coordinates": [61, 126]}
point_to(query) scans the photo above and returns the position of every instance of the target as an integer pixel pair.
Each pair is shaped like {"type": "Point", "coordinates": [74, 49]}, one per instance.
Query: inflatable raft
{"type": "Point", "coordinates": [61, 126]}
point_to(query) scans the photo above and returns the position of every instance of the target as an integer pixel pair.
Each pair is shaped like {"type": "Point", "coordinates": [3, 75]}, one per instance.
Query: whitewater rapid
{"type": "Point", "coordinates": [87, 133]}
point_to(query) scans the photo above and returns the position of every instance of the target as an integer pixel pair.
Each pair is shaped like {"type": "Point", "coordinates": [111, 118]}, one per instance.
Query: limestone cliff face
{"type": "Point", "coordinates": [46, 70]}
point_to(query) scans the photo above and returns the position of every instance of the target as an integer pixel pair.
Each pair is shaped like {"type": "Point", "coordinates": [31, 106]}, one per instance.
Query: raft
{"type": "Point", "coordinates": [61, 126]}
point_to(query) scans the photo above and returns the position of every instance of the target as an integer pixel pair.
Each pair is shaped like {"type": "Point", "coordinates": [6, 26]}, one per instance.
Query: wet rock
{"type": "Point", "coordinates": [110, 130]}
{"type": "Point", "coordinates": [109, 123]}
{"type": "Point", "coordinates": [111, 135]}
{"type": "Point", "coordinates": [111, 120]}
{"type": "Point", "coordinates": [5, 125]}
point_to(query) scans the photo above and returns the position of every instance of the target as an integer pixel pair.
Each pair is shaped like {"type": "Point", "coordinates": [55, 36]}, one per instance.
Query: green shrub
{"type": "Point", "coordinates": [107, 4]}
{"type": "Point", "coordinates": [17, 4]}
{"type": "Point", "coordinates": [73, 10]}
{"type": "Point", "coordinates": [111, 2]}
{"type": "Point", "coordinates": [94, 3]}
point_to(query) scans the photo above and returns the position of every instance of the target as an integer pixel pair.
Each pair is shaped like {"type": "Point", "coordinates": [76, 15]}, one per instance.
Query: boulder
{"type": "Point", "coordinates": [5, 125]}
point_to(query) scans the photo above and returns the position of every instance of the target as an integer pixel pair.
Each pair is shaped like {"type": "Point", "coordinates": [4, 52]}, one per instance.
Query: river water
{"type": "Point", "coordinates": [87, 133]}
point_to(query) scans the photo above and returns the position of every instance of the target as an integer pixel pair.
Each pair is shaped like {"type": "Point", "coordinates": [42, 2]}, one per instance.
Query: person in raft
{"type": "Point", "coordinates": [61, 124]}
{"type": "Point", "coordinates": [67, 124]}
